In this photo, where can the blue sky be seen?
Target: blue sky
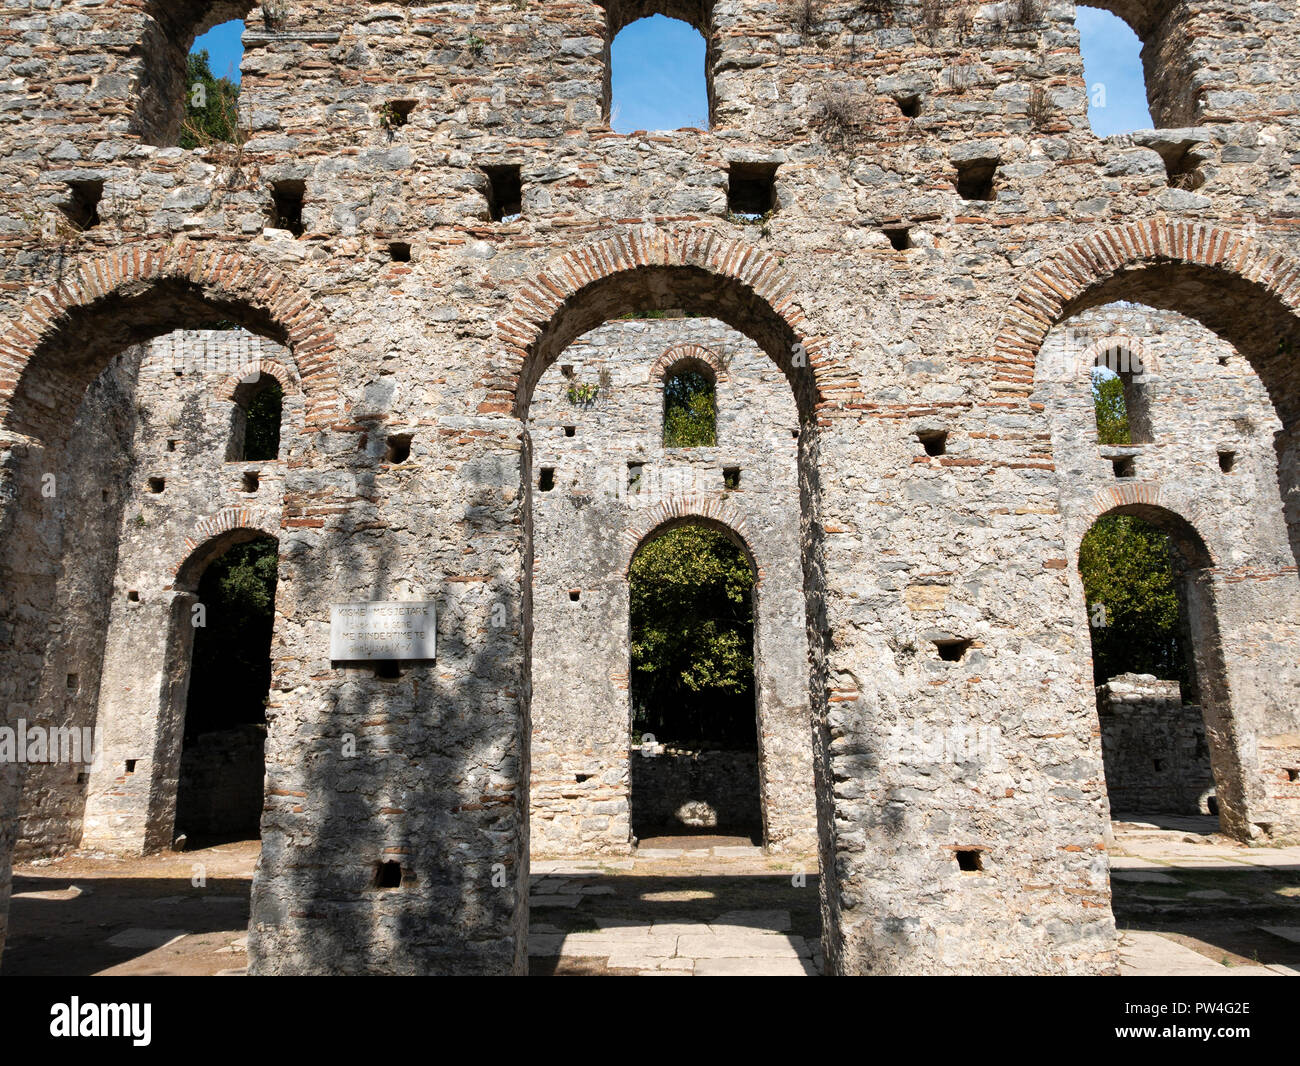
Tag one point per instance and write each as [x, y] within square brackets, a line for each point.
[659, 72]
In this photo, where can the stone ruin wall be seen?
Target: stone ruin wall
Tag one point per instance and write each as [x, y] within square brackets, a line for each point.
[1157, 758]
[157, 492]
[586, 531]
[1202, 400]
[899, 549]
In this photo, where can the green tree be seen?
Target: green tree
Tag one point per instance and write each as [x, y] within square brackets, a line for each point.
[1112, 411]
[1128, 580]
[231, 671]
[211, 105]
[262, 424]
[690, 411]
[692, 629]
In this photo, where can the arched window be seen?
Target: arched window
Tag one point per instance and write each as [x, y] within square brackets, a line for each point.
[255, 431]
[690, 406]
[1112, 68]
[1120, 399]
[657, 69]
[189, 60]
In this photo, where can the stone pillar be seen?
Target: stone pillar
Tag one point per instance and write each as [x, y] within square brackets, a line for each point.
[131, 799]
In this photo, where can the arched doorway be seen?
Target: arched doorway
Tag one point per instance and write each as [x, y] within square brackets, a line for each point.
[695, 735]
[219, 791]
[1167, 728]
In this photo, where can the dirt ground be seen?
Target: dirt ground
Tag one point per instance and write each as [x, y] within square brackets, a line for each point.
[1186, 901]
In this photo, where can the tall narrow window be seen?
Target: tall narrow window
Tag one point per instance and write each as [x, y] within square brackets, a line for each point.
[657, 68]
[1119, 398]
[212, 87]
[690, 406]
[255, 433]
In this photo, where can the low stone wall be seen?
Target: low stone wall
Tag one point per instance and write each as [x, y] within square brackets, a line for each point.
[220, 794]
[676, 790]
[1156, 756]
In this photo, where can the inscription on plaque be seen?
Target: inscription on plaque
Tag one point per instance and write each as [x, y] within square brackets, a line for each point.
[362, 632]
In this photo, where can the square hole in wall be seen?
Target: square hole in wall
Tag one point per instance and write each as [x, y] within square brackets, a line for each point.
[130, 765]
[177, 372]
[81, 206]
[1223, 360]
[82, 778]
[72, 682]
[910, 106]
[1227, 460]
[575, 595]
[935, 441]
[546, 482]
[634, 472]
[1293, 773]
[157, 484]
[133, 596]
[1124, 467]
[751, 189]
[287, 199]
[171, 445]
[731, 477]
[969, 860]
[388, 874]
[252, 481]
[505, 192]
[103, 495]
[395, 113]
[900, 237]
[399, 252]
[387, 670]
[570, 431]
[398, 449]
[953, 649]
[975, 179]
[1158, 765]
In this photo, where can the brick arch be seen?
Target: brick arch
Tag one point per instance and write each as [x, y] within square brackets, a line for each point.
[65, 334]
[213, 535]
[1119, 342]
[687, 510]
[230, 387]
[1171, 511]
[736, 282]
[689, 353]
[1238, 287]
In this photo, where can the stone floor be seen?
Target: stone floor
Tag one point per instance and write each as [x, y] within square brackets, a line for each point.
[1187, 901]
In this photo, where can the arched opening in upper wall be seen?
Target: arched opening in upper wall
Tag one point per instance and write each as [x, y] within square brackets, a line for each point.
[681, 287]
[168, 109]
[659, 57]
[1117, 35]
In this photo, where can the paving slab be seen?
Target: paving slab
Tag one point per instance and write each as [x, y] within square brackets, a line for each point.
[751, 967]
[146, 939]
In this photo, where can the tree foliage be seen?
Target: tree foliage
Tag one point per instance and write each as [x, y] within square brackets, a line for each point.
[690, 411]
[692, 640]
[1132, 599]
[262, 424]
[231, 672]
[211, 105]
[1112, 410]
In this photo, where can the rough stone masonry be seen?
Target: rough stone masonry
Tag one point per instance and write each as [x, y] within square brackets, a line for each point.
[945, 231]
